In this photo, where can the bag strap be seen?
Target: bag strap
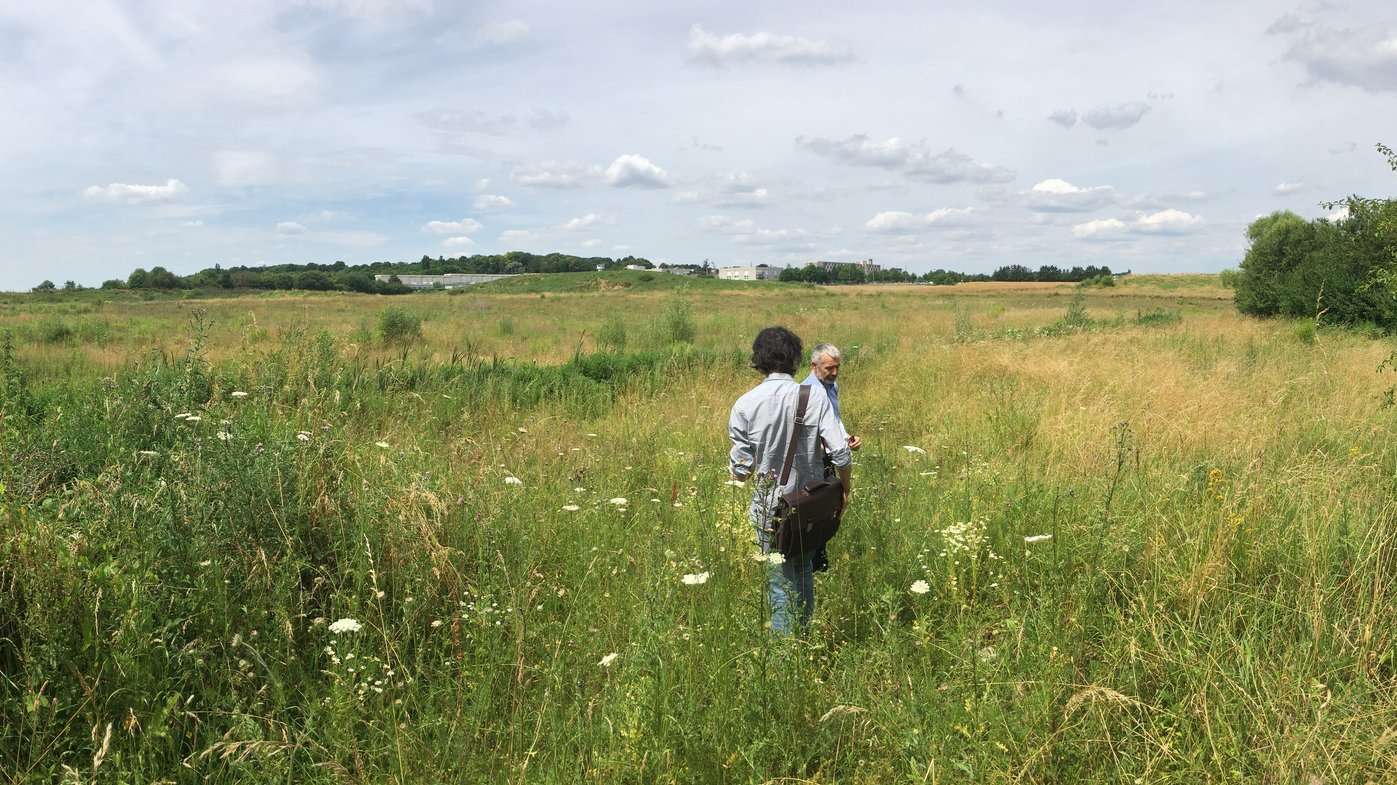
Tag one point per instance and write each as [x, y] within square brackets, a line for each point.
[795, 433]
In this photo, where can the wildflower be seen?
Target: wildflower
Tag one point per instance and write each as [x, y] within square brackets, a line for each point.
[182, 415]
[522, 430]
[205, 563]
[303, 436]
[695, 579]
[238, 394]
[734, 483]
[147, 452]
[571, 507]
[193, 418]
[919, 587]
[775, 557]
[224, 436]
[436, 623]
[1029, 540]
[383, 445]
[606, 661]
[579, 490]
[619, 501]
[512, 480]
[987, 654]
[913, 449]
[345, 625]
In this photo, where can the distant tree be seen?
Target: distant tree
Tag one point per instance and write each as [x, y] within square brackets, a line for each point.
[114, 283]
[70, 286]
[138, 279]
[160, 278]
[1013, 272]
[46, 286]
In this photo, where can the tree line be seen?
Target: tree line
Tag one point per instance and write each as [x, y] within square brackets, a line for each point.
[361, 278]
[1340, 269]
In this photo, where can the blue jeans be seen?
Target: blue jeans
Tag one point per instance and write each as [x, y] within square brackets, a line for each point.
[790, 589]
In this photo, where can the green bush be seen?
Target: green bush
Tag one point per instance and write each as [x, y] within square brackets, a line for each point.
[1304, 332]
[612, 335]
[396, 325]
[677, 323]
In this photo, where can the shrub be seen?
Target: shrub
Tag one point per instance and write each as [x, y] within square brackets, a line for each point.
[677, 322]
[1304, 332]
[612, 335]
[396, 325]
[56, 331]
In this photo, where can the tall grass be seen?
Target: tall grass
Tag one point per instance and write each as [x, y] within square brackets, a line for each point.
[184, 532]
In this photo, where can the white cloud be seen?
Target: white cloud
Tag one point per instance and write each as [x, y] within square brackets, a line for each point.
[1285, 189]
[492, 202]
[122, 193]
[898, 221]
[1116, 116]
[1339, 213]
[290, 229]
[566, 229]
[914, 161]
[1100, 228]
[1064, 117]
[709, 49]
[467, 122]
[1365, 58]
[746, 232]
[555, 174]
[1169, 221]
[463, 226]
[1056, 195]
[635, 171]
[457, 242]
[736, 189]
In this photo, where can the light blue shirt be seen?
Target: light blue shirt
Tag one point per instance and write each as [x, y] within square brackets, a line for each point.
[831, 389]
[760, 428]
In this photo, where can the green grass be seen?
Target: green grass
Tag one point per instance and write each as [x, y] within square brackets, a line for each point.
[1214, 604]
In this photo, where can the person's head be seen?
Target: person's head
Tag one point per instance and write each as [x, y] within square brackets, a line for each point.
[776, 350]
[824, 362]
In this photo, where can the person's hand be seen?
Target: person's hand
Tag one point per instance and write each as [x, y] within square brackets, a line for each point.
[855, 442]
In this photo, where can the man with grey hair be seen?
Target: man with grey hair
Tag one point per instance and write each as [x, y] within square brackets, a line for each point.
[824, 372]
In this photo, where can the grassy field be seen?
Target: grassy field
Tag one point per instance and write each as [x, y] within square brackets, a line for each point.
[253, 540]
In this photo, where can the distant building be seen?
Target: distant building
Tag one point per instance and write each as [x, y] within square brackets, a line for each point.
[636, 267]
[447, 281]
[760, 272]
[866, 266]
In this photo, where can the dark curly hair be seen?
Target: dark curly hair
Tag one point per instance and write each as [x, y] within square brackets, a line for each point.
[776, 350]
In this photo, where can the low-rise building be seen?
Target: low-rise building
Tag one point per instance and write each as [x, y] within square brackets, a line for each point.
[759, 272]
[446, 281]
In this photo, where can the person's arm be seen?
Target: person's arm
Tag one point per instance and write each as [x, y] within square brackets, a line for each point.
[742, 457]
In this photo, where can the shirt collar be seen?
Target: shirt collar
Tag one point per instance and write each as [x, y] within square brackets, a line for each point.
[779, 377]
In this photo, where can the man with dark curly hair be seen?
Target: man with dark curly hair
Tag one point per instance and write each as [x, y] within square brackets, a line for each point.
[760, 427]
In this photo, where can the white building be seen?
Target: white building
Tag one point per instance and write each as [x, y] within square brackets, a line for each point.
[866, 266]
[760, 272]
[447, 281]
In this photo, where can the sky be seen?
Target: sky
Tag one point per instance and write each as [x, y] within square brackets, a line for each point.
[1140, 136]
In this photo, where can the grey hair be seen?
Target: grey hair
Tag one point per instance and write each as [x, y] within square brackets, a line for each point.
[824, 350]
